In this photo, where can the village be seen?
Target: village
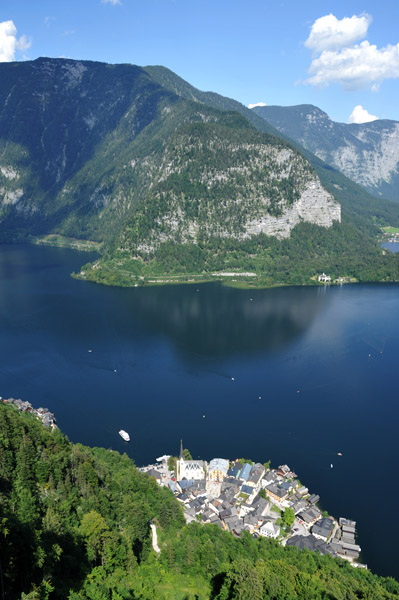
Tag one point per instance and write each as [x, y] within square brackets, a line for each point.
[242, 496]
[42, 414]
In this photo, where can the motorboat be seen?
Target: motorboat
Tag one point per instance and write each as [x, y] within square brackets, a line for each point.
[124, 435]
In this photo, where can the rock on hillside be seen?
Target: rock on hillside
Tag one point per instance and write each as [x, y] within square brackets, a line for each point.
[367, 153]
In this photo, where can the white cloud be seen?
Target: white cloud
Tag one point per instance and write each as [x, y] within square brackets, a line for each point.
[257, 104]
[330, 33]
[337, 59]
[362, 66]
[9, 42]
[113, 2]
[23, 43]
[360, 115]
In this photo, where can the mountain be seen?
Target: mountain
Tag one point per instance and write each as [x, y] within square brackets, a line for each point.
[171, 180]
[367, 153]
[84, 144]
[75, 525]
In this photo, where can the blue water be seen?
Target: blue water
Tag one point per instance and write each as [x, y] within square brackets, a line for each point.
[315, 373]
[392, 246]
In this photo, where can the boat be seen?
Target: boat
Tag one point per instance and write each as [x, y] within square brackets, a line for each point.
[124, 435]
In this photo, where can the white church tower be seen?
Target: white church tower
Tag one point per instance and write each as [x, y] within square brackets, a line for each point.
[189, 469]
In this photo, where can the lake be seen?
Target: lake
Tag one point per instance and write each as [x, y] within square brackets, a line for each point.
[294, 375]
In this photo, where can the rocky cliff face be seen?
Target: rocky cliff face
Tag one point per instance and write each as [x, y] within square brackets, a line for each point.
[315, 205]
[106, 152]
[367, 153]
[216, 181]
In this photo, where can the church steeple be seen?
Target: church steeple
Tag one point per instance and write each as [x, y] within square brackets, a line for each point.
[181, 450]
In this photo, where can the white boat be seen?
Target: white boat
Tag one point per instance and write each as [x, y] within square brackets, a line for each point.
[124, 435]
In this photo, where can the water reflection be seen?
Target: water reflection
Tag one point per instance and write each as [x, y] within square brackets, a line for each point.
[216, 320]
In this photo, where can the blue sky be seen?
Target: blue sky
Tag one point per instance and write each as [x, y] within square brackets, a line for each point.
[337, 55]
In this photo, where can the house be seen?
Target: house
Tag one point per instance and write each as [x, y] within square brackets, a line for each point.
[234, 524]
[245, 471]
[250, 522]
[348, 529]
[324, 278]
[276, 492]
[286, 485]
[313, 499]
[347, 522]
[247, 489]
[268, 478]
[310, 515]
[261, 506]
[256, 475]
[269, 529]
[235, 469]
[285, 471]
[218, 468]
[155, 474]
[174, 486]
[350, 551]
[183, 498]
[298, 506]
[310, 542]
[323, 528]
[225, 513]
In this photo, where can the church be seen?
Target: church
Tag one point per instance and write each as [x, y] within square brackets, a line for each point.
[189, 469]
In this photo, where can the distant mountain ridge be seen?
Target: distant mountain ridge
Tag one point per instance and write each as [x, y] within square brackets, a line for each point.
[367, 153]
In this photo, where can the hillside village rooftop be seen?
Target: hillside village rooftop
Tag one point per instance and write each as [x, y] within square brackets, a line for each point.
[241, 496]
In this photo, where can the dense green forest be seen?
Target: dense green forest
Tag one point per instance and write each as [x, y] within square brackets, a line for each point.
[296, 261]
[74, 523]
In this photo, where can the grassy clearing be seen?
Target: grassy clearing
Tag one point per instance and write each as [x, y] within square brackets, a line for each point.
[60, 241]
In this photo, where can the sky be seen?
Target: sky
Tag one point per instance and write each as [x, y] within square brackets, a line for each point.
[342, 56]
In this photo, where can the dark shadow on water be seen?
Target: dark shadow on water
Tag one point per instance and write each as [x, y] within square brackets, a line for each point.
[217, 320]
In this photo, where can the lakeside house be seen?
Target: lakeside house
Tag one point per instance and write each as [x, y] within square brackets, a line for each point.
[218, 468]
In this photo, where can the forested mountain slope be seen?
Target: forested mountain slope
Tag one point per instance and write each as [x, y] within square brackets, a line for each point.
[172, 180]
[74, 524]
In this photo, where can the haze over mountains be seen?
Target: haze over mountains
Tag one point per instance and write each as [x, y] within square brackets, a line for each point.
[367, 153]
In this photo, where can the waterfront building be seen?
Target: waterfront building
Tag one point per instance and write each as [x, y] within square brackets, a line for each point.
[245, 471]
[189, 469]
[218, 468]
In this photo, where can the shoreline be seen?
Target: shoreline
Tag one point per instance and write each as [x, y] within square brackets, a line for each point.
[242, 496]
[129, 279]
